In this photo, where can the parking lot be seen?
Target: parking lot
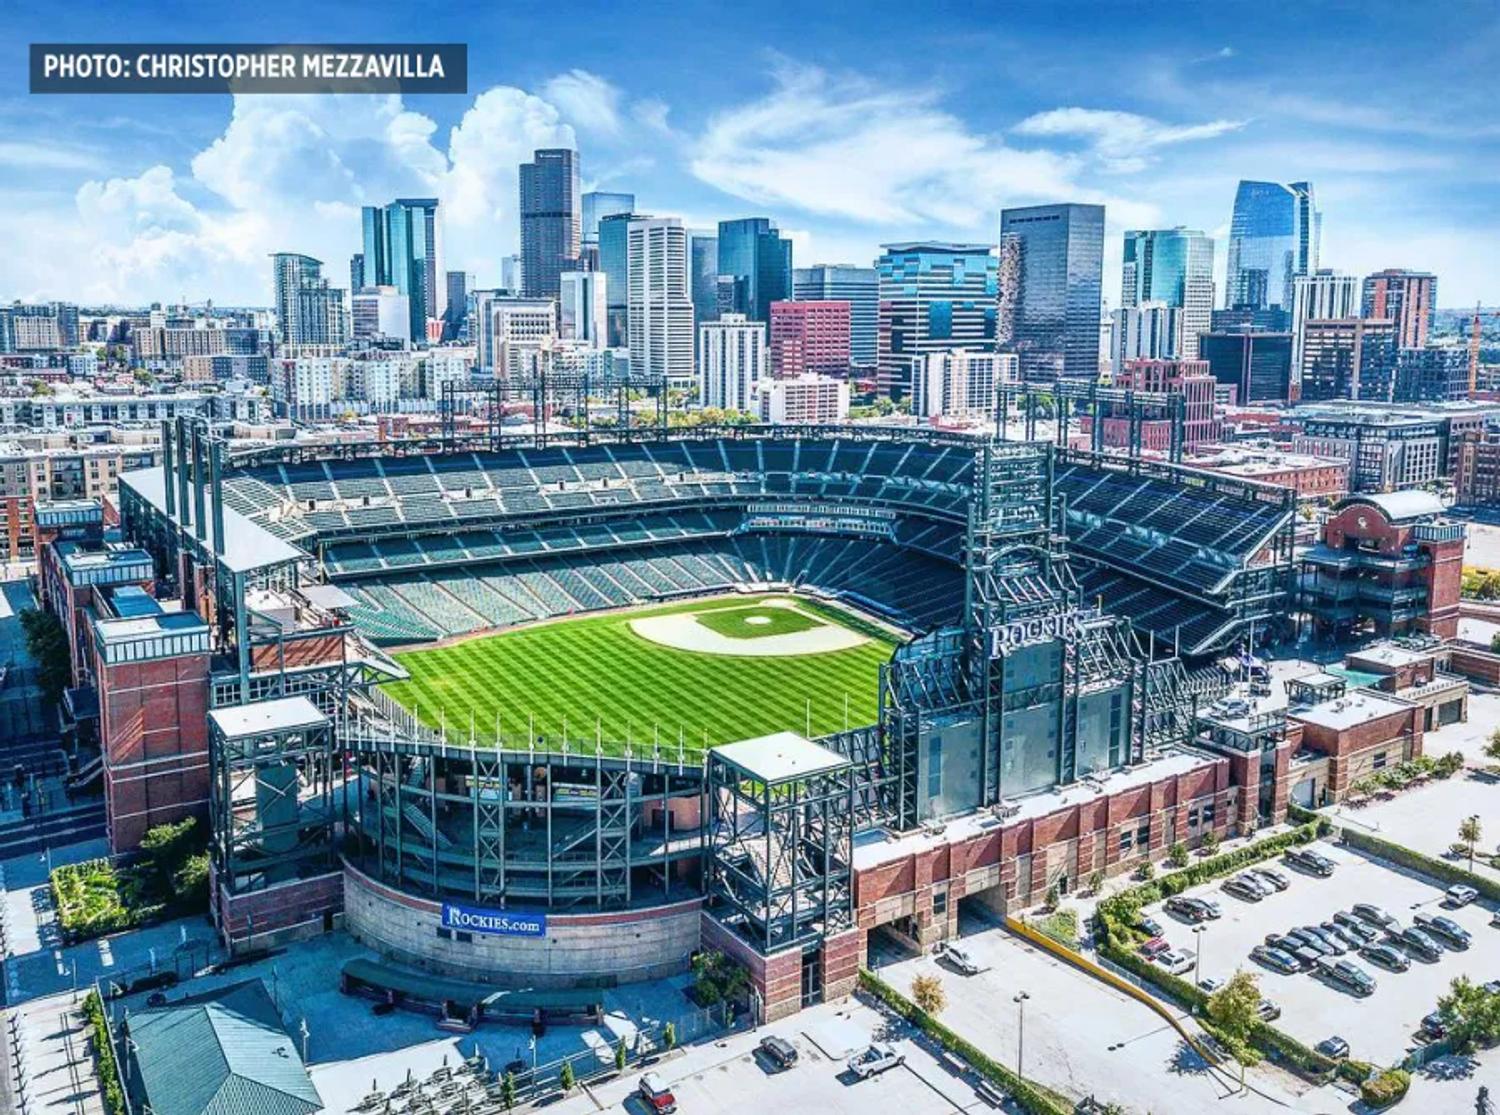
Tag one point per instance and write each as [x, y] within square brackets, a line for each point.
[729, 1078]
[1380, 1027]
[1426, 818]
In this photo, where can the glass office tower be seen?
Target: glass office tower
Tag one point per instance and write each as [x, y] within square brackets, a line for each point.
[551, 221]
[1054, 312]
[403, 249]
[1273, 238]
[1174, 266]
[759, 259]
[934, 297]
[858, 286]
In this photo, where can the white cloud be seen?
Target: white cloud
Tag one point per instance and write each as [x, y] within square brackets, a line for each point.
[847, 148]
[287, 173]
[1122, 141]
[591, 102]
[46, 156]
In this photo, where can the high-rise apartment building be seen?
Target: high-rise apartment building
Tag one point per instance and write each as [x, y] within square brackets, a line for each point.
[551, 220]
[1432, 373]
[308, 310]
[809, 337]
[455, 317]
[933, 297]
[804, 401]
[759, 258]
[1056, 306]
[614, 263]
[703, 263]
[38, 327]
[1407, 298]
[1349, 358]
[356, 272]
[381, 311]
[1174, 266]
[660, 300]
[513, 332]
[858, 286]
[731, 361]
[961, 384]
[1324, 296]
[403, 249]
[1146, 331]
[582, 307]
[1273, 237]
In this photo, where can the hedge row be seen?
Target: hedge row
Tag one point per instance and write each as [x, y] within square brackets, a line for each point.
[1115, 940]
[1032, 1097]
[1387, 1088]
[109, 1071]
[1427, 865]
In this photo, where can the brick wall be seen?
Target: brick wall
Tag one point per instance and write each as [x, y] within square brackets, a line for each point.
[285, 911]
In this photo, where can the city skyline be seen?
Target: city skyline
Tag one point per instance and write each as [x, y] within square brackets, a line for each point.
[855, 147]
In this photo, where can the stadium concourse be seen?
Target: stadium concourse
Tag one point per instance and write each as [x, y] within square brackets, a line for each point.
[392, 646]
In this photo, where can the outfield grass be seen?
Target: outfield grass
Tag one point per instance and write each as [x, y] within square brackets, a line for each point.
[757, 622]
[595, 670]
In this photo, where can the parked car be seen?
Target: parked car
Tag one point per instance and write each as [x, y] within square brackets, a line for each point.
[779, 1051]
[1387, 956]
[1209, 984]
[1314, 863]
[1432, 1026]
[1211, 906]
[1336, 946]
[1491, 988]
[1307, 957]
[1446, 930]
[657, 1094]
[1459, 894]
[1314, 942]
[1267, 1011]
[1362, 930]
[1348, 975]
[1278, 960]
[957, 957]
[1188, 909]
[1154, 947]
[1175, 961]
[1274, 878]
[875, 1059]
[1148, 925]
[1342, 935]
[1243, 888]
[1335, 1047]
[1419, 944]
[1373, 914]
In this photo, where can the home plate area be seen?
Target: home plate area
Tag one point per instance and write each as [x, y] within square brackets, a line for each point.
[776, 628]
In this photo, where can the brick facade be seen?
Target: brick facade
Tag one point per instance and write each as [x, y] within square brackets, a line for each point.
[279, 913]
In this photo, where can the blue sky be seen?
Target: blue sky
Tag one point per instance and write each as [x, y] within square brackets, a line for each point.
[850, 126]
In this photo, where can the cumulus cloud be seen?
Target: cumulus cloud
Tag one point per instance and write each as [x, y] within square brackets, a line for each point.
[1122, 141]
[590, 101]
[849, 148]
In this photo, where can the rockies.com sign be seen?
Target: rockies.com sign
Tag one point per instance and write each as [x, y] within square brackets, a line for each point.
[497, 923]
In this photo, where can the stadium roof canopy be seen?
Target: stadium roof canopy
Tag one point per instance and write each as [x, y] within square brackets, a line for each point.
[248, 546]
[780, 757]
[221, 1053]
[282, 715]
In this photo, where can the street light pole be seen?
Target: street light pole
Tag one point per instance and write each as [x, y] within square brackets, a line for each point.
[1198, 931]
[1020, 1001]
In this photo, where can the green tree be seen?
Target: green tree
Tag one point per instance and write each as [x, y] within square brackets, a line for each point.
[620, 1055]
[508, 1090]
[567, 1078]
[669, 1036]
[1233, 1009]
[47, 644]
[1210, 843]
[1492, 746]
[1471, 832]
[1471, 1014]
[1177, 854]
[1096, 882]
[927, 992]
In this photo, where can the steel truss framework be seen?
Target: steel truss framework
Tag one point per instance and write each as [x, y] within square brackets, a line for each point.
[272, 809]
[545, 392]
[780, 853]
[1070, 398]
[520, 828]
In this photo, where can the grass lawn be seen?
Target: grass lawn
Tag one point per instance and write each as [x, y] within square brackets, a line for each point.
[595, 669]
[757, 622]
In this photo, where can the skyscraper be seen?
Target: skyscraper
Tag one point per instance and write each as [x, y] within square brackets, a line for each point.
[1146, 331]
[582, 314]
[1349, 358]
[661, 304]
[356, 272]
[731, 361]
[1174, 266]
[809, 337]
[308, 310]
[551, 221]
[1324, 296]
[759, 258]
[704, 264]
[1407, 298]
[596, 206]
[1273, 238]
[858, 286]
[403, 249]
[1257, 365]
[933, 297]
[614, 261]
[1057, 301]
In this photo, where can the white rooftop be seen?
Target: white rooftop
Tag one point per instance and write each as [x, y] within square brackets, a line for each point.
[1360, 707]
[247, 545]
[327, 596]
[267, 716]
[781, 757]
[1389, 654]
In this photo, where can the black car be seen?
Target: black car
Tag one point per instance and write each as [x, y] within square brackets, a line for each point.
[1387, 956]
[1418, 943]
[1314, 863]
[779, 1051]
[1335, 1047]
[1188, 909]
[1275, 959]
[1432, 1026]
[1446, 930]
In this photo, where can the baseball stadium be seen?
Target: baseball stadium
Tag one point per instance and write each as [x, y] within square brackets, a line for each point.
[661, 690]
